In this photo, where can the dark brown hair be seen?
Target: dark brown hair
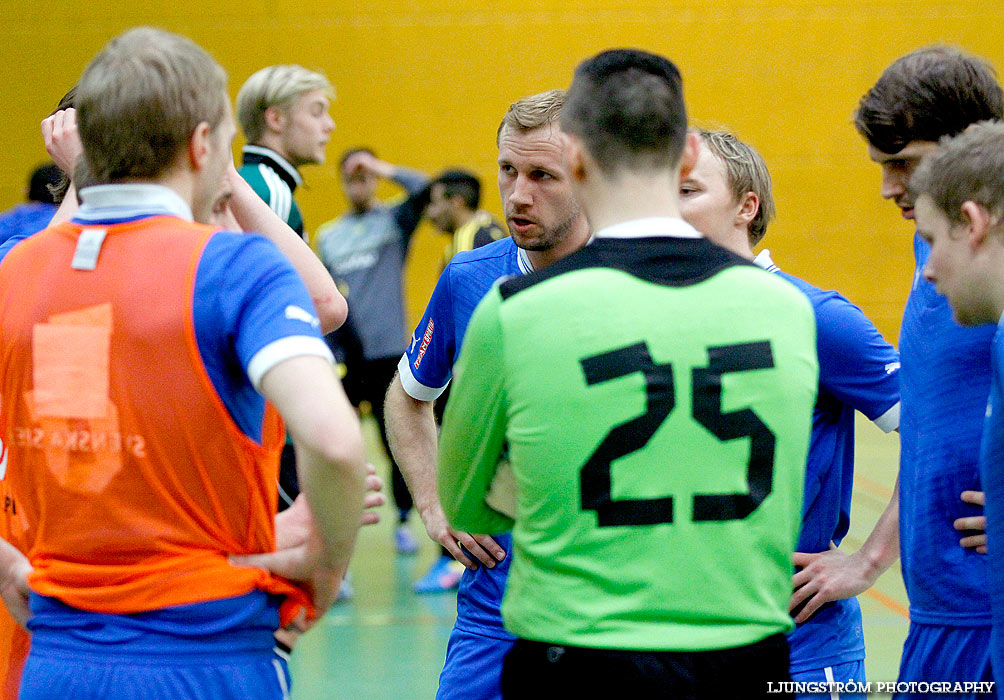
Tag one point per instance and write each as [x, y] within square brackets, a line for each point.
[929, 93]
[627, 107]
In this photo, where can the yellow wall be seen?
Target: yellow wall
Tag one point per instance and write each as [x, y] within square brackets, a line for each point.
[426, 83]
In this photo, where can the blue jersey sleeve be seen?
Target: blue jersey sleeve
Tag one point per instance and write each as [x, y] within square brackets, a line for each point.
[6, 246]
[856, 364]
[427, 365]
[251, 311]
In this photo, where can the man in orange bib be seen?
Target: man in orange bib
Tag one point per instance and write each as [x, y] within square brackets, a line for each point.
[147, 364]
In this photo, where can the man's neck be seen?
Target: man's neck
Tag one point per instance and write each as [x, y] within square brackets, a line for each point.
[274, 143]
[463, 217]
[628, 195]
[994, 283]
[738, 241]
[176, 180]
[362, 208]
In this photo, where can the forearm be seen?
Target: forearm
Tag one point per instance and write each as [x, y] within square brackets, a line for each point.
[881, 548]
[411, 431]
[329, 449]
[253, 214]
[334, 491]
[410, 180]
[331, 466]
[14, 570]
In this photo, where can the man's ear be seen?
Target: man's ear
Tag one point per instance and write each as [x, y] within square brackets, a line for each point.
[575, 158]
[977, 222]
[749, 205]
[691, 150]
[275, 119]
[198, 146]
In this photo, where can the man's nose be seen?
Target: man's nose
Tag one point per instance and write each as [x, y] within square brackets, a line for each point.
[893, 185]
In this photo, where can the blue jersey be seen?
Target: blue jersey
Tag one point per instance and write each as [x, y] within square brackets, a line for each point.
[427, 365]
[992, 475]
[25, 219]
[945, 381]
[426, 369]
[858, 370]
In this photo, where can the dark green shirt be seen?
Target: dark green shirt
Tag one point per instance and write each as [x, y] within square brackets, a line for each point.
[273, 179]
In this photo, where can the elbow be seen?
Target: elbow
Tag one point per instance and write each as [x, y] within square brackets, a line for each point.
[335, 439]
[345, 449]
[332, 310]
[396, 401]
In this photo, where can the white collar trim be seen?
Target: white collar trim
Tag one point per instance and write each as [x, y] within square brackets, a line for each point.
[763, 260]
[662, 226]
[109, 201]
[523, 260]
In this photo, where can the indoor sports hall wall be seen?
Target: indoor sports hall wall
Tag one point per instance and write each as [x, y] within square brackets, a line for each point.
[425, 83]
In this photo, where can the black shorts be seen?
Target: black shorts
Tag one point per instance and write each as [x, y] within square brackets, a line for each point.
[548, 671]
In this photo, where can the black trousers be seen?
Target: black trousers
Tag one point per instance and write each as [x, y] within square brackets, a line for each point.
[367, 380]
[535, 670]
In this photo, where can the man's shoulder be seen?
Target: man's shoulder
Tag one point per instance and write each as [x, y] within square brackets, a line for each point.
[486, 229]
[817, 295]
[331, 226]
[830, 306]
[24, 220]
[262, 178]
[237, 255]
[493, 252]
[472, 273]
[251, 169]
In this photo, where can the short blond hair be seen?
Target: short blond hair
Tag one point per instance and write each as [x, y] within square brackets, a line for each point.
[139, 100]
[533, 112]
[746, 172]
[275, 86]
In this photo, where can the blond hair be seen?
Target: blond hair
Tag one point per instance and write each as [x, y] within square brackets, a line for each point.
[139, 100]
[533, 112]
[746, 172]
[274, 86]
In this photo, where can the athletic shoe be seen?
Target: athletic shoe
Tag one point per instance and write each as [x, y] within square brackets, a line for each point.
[404, 541]
[442, 577]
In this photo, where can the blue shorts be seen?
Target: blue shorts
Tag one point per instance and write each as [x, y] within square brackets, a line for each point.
[221, 650]
[473, 668]
[942, 653]
[852, 672]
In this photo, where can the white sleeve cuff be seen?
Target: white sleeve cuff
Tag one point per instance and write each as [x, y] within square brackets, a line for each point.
[279, 350]
[889, 421]
[414, 388]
